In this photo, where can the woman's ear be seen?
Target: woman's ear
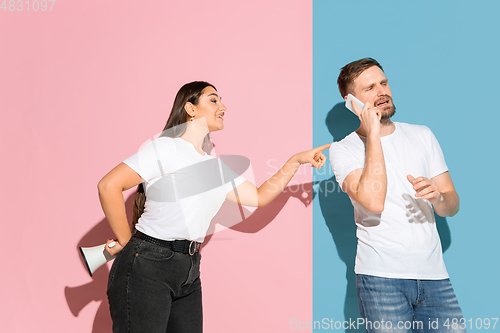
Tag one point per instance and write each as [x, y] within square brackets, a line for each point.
[189, 108]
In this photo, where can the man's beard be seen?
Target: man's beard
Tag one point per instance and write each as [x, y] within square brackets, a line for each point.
[387, 111]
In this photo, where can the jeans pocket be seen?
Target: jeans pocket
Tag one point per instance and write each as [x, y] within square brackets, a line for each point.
[154, 253]
[113, 268]
[194, 270]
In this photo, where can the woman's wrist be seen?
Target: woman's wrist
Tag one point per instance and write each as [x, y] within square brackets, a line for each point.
[294, 160]
[123, 241]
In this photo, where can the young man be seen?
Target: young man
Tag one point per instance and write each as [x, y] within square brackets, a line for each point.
[395, 175]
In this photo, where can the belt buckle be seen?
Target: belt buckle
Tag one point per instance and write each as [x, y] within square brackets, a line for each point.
[191, 246]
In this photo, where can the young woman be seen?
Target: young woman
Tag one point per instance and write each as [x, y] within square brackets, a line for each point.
[154, 283]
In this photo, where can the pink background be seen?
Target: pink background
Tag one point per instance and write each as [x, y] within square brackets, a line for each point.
[84, 85]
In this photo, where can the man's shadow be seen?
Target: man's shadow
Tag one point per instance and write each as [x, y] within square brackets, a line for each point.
[230, 215]
[338, 213]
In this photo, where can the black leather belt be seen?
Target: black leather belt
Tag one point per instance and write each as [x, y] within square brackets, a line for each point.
[184, 246]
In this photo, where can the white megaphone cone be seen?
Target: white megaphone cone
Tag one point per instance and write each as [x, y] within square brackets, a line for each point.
[95, 257]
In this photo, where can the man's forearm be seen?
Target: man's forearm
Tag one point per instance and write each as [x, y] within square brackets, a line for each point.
[448, 205]
[372, 186]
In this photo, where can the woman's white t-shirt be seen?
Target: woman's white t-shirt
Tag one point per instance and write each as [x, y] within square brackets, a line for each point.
[184, 189]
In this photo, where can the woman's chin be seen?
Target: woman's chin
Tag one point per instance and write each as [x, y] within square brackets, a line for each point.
[217, 128]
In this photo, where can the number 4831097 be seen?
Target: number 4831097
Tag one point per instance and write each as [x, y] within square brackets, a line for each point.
[479, 323]
[34, 5]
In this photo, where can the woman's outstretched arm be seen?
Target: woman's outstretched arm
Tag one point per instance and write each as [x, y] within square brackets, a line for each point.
[248, 194]
[111, 186]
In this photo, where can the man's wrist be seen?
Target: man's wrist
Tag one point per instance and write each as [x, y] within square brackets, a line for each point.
[372, 136]
[439, 199]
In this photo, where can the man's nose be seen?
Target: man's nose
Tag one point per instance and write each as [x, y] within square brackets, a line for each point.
[381, 90]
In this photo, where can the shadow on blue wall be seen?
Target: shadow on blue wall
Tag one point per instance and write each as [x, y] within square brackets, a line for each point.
[338, 213]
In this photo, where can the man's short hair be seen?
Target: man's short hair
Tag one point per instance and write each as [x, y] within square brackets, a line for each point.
[352, 70]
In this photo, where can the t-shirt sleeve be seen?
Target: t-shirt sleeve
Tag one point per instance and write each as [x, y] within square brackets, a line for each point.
[230, 178]
[153, 160]
[234, 184]
[437, 164]
[343, 161]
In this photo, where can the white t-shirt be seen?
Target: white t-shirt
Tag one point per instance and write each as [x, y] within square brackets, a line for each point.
[184, 189]
[401, 242]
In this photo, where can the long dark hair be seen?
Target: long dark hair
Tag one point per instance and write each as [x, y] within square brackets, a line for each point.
[175, 127]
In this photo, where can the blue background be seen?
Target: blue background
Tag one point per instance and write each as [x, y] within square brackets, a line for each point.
[441, 59]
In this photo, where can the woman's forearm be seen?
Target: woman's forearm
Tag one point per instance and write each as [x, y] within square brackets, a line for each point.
[272, 187]
[113, 205]
[248, 194]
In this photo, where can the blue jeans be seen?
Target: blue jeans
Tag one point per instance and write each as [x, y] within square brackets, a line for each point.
[153, 289]
[401, 305]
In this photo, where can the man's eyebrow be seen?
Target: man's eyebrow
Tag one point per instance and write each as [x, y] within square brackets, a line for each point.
[368, 86]
[371, 85]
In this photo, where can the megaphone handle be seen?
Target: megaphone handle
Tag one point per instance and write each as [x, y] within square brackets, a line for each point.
[108, 255]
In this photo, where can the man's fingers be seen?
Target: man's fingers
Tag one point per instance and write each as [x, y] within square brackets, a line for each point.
[424, 191]
[430, 195]
[415, 181]
[357, 110]
[424, 187]
[419, 183]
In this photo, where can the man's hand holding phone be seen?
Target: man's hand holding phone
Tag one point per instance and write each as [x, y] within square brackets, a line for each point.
[369, 115]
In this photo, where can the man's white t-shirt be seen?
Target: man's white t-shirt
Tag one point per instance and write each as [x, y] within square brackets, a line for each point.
[184, 189]
[402, 241]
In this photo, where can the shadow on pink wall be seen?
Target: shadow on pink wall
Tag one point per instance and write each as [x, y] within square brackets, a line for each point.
[80, 296]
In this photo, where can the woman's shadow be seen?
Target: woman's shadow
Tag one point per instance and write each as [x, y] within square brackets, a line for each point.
[338, 213]
[230, 215]
[79, 297]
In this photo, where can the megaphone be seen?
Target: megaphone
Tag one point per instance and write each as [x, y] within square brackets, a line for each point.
[95, 257]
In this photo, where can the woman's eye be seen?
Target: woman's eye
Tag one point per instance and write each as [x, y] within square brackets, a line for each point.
[214, 101]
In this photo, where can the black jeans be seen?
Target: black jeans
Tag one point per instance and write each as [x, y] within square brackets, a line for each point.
[153, 289]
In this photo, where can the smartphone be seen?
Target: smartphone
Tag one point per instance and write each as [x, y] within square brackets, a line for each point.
[348, 104]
